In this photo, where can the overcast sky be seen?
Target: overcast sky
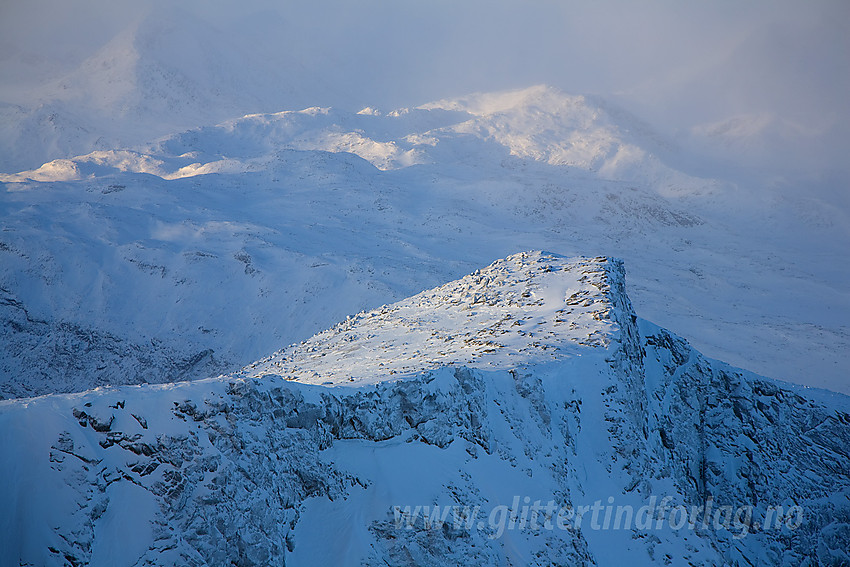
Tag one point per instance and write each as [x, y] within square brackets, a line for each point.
[677, 64]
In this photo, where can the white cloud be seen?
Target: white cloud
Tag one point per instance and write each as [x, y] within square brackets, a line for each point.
[680, 65]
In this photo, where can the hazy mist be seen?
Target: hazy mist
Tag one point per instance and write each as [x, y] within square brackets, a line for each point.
[683, 67]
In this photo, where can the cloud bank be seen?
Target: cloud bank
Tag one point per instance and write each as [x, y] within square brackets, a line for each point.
[768, 80]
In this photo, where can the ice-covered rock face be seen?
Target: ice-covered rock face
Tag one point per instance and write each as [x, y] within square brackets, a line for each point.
[272, 465]
[528, 308]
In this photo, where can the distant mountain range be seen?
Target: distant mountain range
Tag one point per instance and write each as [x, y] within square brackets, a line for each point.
[207, 249]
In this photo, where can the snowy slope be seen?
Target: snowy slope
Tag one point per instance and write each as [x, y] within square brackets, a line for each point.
[210, 248]
[525, 309]
[296, 459]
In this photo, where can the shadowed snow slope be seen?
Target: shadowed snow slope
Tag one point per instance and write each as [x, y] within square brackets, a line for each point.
[531, 379]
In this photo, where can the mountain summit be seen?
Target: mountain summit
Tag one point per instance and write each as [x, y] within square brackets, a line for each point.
[522, 414]
[529, 308]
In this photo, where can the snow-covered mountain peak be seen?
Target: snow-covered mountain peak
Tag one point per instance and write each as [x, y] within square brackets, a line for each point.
[541, 97]
[527, 308]
[257, 468]
[546, 125]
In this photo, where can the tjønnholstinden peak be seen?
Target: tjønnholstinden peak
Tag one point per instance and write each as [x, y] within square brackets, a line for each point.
[529, 308]
[529, 380]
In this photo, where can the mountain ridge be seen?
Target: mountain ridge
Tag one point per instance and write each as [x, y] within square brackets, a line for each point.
[510, 309]
[258, 467]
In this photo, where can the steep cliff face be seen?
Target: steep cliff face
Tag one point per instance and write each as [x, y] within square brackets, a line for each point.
[424, 432]
[729, 436]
